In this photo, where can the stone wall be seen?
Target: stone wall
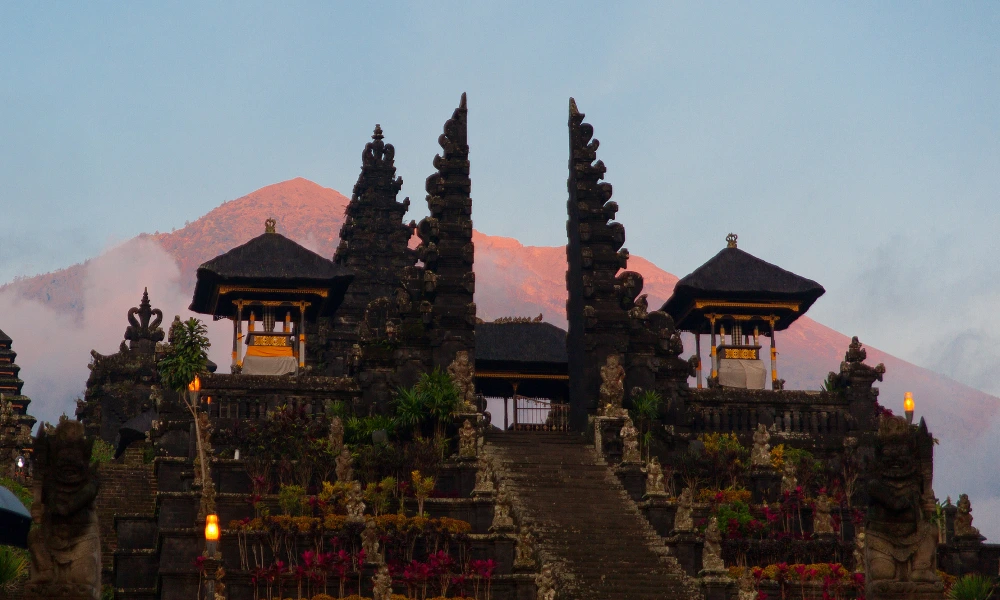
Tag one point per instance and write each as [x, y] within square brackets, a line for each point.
[127, 488]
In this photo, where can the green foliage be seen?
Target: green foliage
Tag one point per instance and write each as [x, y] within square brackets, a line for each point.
[725, 458]
[409, 408]
[186, 357]
[646, 406]
[438, 393]
[291, 499]
[359, 430]
[972, 587]
[378, 495]
[102, 452]
[23, 493]
[834, 383]
[108, 592]
[13, 566]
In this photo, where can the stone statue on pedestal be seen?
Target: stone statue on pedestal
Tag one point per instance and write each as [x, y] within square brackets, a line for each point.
[485, 485]
[901, 541]
[546, 584]
[64, 545]
[467, 441]
[963, 519]
[612, 388]
[760, 456]
[711, 554]
[822, 520]
[654, 479]
[336, 435]
[630, 442]
[355, 503]
[463, 376]
[525, 554]
[344, 470]
[683, 520]
[788, 479]
[382, 584]
[502, 520]
[370, 544]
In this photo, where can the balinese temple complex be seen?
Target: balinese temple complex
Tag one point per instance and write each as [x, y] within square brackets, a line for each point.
[15, 422]
[346, 333]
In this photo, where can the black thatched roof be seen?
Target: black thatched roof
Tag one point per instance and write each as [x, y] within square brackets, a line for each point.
[4, 337]
[520, 343]
[269, 261]
[736, 276]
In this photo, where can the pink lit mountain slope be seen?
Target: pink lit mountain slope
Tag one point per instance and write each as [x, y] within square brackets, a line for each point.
[513, 279]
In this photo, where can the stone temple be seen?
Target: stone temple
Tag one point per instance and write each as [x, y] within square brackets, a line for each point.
[372, 435]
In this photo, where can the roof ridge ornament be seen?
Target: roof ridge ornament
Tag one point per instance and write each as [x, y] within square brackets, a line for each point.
[269, 226]
[731, 240]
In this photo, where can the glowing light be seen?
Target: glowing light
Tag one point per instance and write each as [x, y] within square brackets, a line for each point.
[212, 528]
[195, 385]
[908, 401]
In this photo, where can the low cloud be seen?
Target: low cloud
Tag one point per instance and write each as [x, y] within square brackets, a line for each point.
[53, 348]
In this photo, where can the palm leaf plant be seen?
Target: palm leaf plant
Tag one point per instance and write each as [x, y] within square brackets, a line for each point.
[439, 396]
[186, 359]
[972, 587]
[645, 409]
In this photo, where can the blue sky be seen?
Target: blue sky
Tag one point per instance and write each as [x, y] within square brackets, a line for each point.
[855, 143]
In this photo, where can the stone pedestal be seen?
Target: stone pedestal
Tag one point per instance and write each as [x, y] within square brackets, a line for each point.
[686, 547]
[633, 479]
[717, 585]
[967, 548]
[892, 590]
[607, 439]
[660, 513]
[765, 485]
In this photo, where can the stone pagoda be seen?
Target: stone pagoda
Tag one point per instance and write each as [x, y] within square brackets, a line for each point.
[15, 423]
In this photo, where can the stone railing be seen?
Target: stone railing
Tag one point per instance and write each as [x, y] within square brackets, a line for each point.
[822, 416]
[250, 397]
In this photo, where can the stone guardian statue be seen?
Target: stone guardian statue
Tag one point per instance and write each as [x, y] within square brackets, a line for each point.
[65, 546]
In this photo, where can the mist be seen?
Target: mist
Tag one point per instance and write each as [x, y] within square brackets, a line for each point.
[53, 347]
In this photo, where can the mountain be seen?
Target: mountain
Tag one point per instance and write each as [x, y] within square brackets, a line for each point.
[512, 280]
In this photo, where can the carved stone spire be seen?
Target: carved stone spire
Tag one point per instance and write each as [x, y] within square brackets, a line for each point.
[446, 247]
[599, 297]
[373, 244]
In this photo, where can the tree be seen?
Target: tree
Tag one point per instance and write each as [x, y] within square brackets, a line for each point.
[186, 359]
[645, 408]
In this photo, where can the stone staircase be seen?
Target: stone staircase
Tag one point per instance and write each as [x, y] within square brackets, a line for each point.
[598, 543]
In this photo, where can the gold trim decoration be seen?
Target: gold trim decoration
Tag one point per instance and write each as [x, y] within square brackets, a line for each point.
[269, 226]
[699, 304]
[512, 375]
[741, 353]
[731, 240]
[270, 340]
[225, 289]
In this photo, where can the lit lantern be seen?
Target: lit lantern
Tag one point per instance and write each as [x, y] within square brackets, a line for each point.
[212, 528]
[195, 385]
[908, 406]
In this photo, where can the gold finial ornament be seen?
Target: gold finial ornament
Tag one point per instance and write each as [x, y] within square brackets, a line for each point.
[269, 226]
[731, 240]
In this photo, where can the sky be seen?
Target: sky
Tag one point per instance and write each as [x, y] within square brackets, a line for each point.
[857, 144]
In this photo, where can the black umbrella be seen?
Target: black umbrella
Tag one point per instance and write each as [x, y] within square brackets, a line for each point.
[15, 520]
[134, 430]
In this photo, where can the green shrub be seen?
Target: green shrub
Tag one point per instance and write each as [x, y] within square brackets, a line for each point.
[972, 587]
[291, 498]
[102, 453]
[13, 566]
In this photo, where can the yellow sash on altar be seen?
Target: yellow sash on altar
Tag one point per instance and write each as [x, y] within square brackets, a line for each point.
[269, 351]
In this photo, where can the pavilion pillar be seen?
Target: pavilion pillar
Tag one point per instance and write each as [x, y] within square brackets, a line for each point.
[514, 385]
[713, 352]
[302, 336]
[235, 339]
[239, 333]
[697, 352]
[774, 359]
